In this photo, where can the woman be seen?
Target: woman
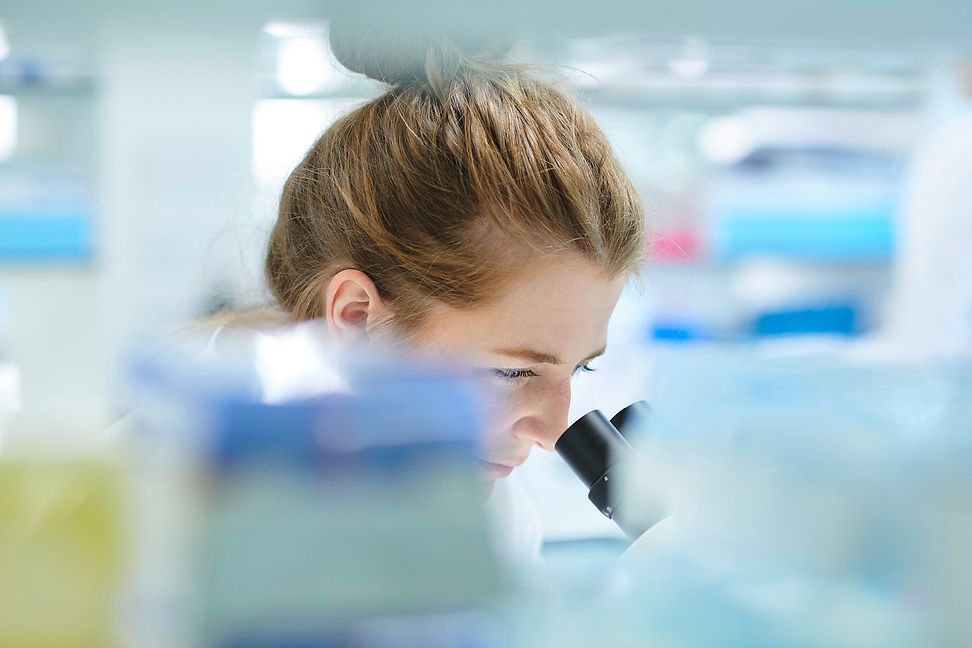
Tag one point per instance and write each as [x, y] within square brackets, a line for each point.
[473, 211]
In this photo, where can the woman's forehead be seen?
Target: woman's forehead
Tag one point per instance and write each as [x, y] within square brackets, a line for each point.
[558, 309]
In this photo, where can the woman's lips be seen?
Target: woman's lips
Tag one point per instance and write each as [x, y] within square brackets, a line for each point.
[497, 470]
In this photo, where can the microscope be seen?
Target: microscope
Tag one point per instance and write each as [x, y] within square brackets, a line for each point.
[594, 447]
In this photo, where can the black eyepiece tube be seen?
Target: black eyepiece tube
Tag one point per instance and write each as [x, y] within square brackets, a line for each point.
[629, 420]
[591, 445]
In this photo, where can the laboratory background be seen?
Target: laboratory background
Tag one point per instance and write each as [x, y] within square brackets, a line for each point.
[802, 329]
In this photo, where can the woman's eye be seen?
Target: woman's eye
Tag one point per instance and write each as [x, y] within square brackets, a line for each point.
[584, 368]
[514, 375]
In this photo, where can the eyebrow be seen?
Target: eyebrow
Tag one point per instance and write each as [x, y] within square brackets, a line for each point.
[542, 358]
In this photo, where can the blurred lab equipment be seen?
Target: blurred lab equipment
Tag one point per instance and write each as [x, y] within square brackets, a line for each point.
[931, 314]
[813, 501]
[293, 494]
[62, 547]
[9, 372]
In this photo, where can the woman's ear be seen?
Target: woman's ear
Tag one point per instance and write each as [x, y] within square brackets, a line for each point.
[351, 305]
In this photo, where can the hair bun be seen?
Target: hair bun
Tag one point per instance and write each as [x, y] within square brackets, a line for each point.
[397, 55]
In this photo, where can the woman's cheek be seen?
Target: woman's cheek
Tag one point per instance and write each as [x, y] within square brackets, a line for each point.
[501, 413]
[498, 426]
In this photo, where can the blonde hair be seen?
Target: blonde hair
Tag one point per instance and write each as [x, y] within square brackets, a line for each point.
[442, 186]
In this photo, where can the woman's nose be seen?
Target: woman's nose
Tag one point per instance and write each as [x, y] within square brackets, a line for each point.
[550, 419]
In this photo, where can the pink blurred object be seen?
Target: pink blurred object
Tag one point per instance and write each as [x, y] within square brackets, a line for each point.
[674, 245]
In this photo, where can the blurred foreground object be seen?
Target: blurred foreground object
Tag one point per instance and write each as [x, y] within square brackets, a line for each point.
[932, 314]
[813, 502]
[288, 496]
[61, 551]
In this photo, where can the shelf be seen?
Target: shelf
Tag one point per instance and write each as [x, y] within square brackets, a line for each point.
[31, 78]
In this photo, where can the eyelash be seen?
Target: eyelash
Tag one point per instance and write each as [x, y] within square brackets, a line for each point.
[517, 375]
[584, 368]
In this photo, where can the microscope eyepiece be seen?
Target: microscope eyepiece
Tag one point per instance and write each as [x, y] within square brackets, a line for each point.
[592, 446]
[628, 420]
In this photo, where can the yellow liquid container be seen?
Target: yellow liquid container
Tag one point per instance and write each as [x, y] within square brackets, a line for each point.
[61, 552]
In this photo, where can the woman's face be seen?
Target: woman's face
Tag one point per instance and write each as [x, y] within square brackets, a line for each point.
[548, 326]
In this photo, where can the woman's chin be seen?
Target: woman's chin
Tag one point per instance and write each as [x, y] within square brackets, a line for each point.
[490, 473]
